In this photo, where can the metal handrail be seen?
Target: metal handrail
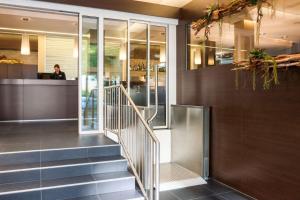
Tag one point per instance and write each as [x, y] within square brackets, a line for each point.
[141, 146]
[150, 119]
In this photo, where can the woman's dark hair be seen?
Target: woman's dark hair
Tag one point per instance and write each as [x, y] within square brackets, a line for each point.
[57, 66]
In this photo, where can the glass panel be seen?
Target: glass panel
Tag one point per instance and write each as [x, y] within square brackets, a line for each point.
[138, 63]
[89, 74]
[158, 59]
[115, 52]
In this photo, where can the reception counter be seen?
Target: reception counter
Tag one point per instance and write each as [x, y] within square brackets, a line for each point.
[33, 99]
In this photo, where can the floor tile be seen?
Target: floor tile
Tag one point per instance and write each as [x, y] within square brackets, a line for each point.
[192, 192]
[167, 196]
[234, 196]
[46, 135]
[216, 187]
[214, 197]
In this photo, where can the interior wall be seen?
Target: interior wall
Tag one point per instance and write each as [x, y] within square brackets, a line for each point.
[254, 134]
[26, 59]
[59, 50]
[126, 6]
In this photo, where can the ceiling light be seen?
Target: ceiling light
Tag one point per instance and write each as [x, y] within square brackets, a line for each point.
[162, 54]
[75, 47]
[197, 57]
[123, 52]
[25, 44]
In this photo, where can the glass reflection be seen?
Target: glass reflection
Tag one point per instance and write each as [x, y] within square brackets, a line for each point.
[115, 52]
[89, 74]
[158, 60]
[138, 63]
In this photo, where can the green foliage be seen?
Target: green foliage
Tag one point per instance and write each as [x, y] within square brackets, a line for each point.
[258, 54]
[267, 66]
[210, 9]
[253, 2]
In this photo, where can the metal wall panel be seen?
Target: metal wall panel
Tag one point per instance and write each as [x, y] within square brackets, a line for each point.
[190, 138]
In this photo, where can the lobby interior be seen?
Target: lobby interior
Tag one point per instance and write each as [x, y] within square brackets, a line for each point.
[202, 96]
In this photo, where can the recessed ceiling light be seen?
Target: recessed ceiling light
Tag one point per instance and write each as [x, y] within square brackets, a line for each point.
[25, 19]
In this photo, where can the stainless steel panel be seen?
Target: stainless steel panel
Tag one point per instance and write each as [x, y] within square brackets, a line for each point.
[190, 138]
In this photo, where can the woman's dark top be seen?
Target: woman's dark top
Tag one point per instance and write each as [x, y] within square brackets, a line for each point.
[60, 76]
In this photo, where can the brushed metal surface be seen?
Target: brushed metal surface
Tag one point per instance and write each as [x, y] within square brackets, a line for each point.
[190, 137]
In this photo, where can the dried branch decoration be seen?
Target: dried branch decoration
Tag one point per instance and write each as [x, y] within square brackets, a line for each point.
[217, 12]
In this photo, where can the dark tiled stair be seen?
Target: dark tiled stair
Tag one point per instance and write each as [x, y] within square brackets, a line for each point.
[83, 173]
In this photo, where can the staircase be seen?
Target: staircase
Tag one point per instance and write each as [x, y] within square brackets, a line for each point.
[81, 173]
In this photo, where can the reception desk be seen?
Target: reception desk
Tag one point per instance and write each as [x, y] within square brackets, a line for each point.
[33, 99]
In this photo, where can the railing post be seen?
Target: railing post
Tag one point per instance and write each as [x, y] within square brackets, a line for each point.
[157, 171]
[119, 112]
[105, 113]
[93, 109]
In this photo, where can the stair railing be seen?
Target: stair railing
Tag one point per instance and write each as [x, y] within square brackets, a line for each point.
[140, 145]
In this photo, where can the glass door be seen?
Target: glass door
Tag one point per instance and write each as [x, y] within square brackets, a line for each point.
[132, 51]
[138, 64]
[158, 59]
[89, 83]
[115, 52]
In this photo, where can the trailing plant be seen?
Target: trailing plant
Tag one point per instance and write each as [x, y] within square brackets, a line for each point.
[217, 12]
[260, 63]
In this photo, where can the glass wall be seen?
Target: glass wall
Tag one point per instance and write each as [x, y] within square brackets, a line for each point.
[139, 63]
[158, 49]
[115, 52]
[233, 39]
[89, 74]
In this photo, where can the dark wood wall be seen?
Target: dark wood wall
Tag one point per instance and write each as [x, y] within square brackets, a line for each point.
[255, 137]
[126, 6]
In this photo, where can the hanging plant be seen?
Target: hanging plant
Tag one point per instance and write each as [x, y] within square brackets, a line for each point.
[217, 12]
[262, 64]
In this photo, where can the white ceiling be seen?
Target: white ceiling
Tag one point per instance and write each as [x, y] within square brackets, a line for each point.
[11, 20]
[174, 3]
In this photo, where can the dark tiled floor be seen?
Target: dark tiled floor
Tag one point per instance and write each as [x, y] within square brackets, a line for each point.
[46, 135]
[213, 190]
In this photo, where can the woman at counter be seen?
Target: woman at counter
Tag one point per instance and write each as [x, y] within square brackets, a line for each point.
[58, 74]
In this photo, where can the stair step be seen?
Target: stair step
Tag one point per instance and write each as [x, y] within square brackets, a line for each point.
[59, 163]
[46, 155]
[70, 187]
[124, 195]
[60, 169]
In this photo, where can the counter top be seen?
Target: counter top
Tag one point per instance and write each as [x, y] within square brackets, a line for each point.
[37, 82]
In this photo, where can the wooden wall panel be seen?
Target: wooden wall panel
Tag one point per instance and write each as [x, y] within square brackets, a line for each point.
[126, 6]
[255, 135]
